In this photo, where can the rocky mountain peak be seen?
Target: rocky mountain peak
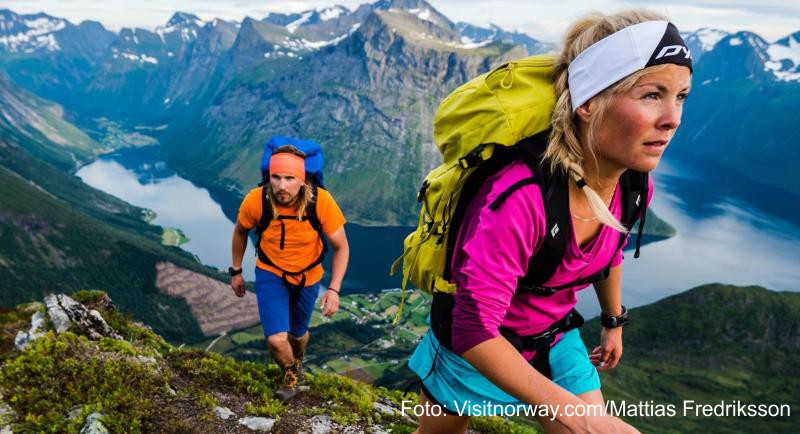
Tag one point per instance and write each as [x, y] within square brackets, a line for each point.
[422, 9]
[184, 18]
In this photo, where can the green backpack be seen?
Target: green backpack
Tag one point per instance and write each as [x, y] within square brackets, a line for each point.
[513, 102]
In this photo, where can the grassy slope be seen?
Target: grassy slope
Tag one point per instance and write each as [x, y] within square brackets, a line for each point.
[144, 385]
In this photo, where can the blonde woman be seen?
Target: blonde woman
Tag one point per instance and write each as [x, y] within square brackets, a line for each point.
[621, 82]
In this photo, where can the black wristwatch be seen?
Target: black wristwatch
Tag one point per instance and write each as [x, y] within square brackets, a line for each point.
[612, 322]
[234, 271]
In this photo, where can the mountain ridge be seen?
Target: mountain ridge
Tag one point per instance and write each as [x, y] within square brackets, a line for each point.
[214, 63]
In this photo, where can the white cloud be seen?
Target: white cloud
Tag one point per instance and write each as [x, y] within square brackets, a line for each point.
[772, 19]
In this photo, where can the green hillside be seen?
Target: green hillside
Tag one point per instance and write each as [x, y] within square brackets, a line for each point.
[709, 344]
[46, 246]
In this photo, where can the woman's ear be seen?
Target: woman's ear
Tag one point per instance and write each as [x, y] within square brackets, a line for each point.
[584, 112]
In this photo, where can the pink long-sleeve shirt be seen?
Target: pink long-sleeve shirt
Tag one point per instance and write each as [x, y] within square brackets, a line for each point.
[492, 252]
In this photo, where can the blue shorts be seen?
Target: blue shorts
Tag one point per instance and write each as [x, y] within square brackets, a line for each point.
[278, 313]
[455, 379]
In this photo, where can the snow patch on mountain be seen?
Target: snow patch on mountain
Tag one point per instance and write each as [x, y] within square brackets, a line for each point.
[319, 44]
[38, 34]
[784, 60]
[186, 24]
[423, 14]
[140, 58]
[332, 13]
[469, 43]
[709, 37]
[292, 27]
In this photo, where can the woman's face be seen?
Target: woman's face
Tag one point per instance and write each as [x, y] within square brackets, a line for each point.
[639, 124]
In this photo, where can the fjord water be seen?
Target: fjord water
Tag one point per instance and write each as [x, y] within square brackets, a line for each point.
[140, 177]
[729, 229]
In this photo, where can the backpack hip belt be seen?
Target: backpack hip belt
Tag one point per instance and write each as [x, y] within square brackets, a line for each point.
[442, 322]
[542, 342]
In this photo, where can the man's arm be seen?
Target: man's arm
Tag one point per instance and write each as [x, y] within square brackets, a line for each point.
[341, 256]
[238, 246]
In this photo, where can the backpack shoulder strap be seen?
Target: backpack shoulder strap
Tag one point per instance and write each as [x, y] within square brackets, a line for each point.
[635, 190]
[481, 173]
[266, 213]
[555, 196]
[311, 209]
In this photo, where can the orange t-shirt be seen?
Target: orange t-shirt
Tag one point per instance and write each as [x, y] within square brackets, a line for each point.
[302, 245]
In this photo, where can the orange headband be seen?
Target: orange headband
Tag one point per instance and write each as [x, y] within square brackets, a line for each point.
[288, 164]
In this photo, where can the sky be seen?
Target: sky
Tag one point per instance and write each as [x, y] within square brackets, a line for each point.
[545, 20]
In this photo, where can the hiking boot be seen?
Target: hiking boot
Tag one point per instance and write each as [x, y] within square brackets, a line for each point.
[299, 371]
[288, 387]
[298, 368]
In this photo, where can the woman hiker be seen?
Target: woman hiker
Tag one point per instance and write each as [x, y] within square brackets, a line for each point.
[617, 108]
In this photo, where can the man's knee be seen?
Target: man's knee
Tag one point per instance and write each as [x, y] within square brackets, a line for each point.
[278, 340]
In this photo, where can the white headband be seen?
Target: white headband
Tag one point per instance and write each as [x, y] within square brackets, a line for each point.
[623, 53]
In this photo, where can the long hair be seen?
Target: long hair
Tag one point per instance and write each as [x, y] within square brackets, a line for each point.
[304, 197]
[564, 149]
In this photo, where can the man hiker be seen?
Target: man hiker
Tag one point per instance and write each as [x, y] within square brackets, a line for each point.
[290, 248]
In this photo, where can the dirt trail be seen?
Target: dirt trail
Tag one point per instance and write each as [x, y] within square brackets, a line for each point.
[212, 302]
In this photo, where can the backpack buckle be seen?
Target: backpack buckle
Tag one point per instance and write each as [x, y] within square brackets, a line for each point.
[469, 160]
[422, 191]
[545, 291]
[473, 158]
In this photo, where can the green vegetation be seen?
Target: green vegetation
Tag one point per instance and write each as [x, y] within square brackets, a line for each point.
[173, 237]
[374, 351]
[112, 135]
[141, 384]
[709, 344]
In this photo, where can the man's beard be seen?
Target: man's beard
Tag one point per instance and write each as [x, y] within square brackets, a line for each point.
[285, 198]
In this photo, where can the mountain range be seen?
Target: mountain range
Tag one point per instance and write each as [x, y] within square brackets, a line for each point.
[364, 82]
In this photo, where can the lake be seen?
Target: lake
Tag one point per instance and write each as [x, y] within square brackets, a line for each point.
[730, 230]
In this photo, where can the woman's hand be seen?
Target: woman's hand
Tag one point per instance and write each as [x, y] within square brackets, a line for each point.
[607, 355]
[330, 303]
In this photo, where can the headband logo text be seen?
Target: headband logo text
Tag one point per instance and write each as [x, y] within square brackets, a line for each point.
[672, 50]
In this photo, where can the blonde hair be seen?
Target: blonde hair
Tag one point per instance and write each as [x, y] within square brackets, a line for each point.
[304, 197]
[564, 149]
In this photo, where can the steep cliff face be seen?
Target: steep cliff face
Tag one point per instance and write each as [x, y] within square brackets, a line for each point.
[369, 99]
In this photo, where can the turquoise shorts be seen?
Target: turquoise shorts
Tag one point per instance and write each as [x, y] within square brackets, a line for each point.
[455, 380]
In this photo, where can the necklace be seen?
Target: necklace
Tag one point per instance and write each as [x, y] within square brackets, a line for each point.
[583, 219]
